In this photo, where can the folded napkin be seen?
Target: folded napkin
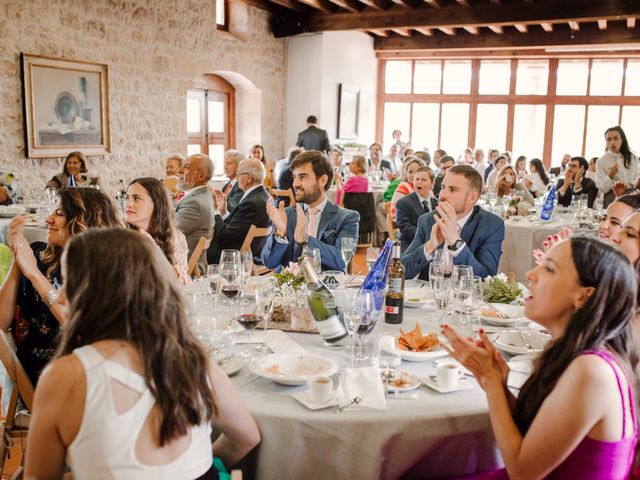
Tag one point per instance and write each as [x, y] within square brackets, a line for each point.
[363, 382]
[279, 342]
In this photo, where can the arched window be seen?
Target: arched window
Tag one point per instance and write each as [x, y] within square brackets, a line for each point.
[211, 118]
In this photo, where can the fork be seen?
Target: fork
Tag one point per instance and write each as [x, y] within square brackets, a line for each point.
[523, 337]
[498, 312]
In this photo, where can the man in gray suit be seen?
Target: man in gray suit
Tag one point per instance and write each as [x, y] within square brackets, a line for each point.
[194, 212]
[313, 138]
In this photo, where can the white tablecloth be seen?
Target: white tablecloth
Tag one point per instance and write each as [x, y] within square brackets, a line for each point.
[32, 233]
[434, 436]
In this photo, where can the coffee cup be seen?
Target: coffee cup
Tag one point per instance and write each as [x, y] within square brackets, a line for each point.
[320, 389]
[447, 376]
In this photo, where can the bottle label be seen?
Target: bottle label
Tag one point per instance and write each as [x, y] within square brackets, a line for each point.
[395, 285]
[332, 327]
[393, 310]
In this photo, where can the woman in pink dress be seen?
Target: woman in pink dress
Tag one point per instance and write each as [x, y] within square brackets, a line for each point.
[358, 182]
[575, 417]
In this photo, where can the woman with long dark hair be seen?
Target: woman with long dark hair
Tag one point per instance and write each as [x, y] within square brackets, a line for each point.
[132, 393]
[617, 166]
[575, 416]
[149, 209]
[537, 180]
[27, 296]
[257, 152]
[507, 184]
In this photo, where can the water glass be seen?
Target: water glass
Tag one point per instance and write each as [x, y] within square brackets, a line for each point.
[246, 258]
[441, 291]
[266, 293]
[313, 255]
[372, 255]
[347, 249]
[371, 305]
[389, 359]
[348, 303]
[213, 277]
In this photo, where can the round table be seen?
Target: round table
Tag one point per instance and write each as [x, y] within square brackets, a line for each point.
[435, 435]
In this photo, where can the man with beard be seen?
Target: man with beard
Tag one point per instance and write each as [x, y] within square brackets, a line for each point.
[375, 160]
[314, 221]
[194, 211]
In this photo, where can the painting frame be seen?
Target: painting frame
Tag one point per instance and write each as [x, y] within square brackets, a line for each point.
[348, 111]
[65, 106]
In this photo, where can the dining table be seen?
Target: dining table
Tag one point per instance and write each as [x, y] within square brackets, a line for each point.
[428, 435]
[33, 231]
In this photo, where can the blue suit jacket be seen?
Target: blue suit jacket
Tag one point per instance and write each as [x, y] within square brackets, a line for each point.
[336, 222]
[408, 211]
[483, 234]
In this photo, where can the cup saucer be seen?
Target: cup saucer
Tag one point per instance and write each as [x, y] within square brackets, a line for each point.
[303, 398]
[463, 384]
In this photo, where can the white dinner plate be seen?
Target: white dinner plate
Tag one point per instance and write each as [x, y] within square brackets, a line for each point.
[231, 365]
[403, 382]
[408, 356]
[415, 297]
[292, 368]
[514, 315]
[511, 342]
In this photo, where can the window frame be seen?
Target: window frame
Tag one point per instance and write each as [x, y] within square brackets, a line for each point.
[223, 26]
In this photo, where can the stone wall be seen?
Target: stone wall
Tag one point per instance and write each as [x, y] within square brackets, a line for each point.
[153, 48]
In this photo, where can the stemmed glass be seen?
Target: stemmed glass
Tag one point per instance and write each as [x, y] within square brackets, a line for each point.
[492, 198]
[346, 301]
[213, 278]
[347, 249]
[231, 274]
[248, 315]
[265, 293]
[440, 285]
[445, 257]
[372, 255]
[370, 304]
[389, 359]
[313, 254]
[246, 258]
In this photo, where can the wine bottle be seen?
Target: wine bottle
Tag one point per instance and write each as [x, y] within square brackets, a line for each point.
[376, 279]
[547, 206]
[322, 305]
[394, 302]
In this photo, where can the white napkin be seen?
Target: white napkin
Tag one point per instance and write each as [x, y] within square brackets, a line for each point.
[279, 342]
[363, 382]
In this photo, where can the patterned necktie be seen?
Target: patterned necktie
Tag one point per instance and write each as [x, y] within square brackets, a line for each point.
[312, 227]
[227, 189]
[425, 205]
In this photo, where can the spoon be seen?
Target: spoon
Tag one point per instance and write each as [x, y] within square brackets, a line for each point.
[354, 401]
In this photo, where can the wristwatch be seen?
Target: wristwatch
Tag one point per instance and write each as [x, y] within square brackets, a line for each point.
[305, 241]
[457, 245]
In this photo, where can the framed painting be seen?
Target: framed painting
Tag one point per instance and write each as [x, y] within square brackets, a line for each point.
[65, 106]
[348, 110]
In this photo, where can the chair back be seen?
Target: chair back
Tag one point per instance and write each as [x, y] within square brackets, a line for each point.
[253, 233]
[365, 205]
[201, 246]
[286, 195]
[391, 224]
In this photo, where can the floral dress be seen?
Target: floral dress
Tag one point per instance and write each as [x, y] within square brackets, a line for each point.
[36, 328]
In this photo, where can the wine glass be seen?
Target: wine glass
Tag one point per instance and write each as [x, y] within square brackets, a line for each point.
[265, 293]
[347, 249]
[440, 285]
[213, 278]
[371, 257]
[492, 198]
[246, 258]
[248, 315]
[370, 304]
[231, 274]
[460, 271]
[444, 257]
[389, 359]
[313, 254]
[351, 314]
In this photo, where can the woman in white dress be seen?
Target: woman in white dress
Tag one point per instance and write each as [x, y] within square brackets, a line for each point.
[149, 209]
[617, 166]
[537, 181]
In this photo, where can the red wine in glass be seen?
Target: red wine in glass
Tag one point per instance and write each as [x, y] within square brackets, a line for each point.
[230, 291]
[249, 321]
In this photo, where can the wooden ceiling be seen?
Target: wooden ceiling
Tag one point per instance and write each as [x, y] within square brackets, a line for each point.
[464, 25]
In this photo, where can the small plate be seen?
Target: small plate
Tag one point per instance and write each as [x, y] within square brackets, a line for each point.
[415, 297]
[231, 365]
[511, 342]
[303, 398]
[408, 356]
[292, 368]
[463, 384]
[403, 382]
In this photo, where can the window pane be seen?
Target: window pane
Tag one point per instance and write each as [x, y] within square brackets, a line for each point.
[193, 149]
[600, 118]
[396, 116]
[457, 76]
[455, 125]
[216, 152]
[215, 115]
[495, 76]
[426, 77]
[568, 127]
[193, 115]
[491, 126]
[424, 132]
[220, 13]
[630, 122]
[572, 77]
[397, 77]
[632, 82]
[531, 77]
[528, 130]
[606, 77]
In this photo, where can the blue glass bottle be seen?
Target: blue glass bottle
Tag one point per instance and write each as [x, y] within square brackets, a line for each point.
[376, 279]
[547, 206]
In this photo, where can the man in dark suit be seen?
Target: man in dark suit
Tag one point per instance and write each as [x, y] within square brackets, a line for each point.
[314, 221]
[375, 158]
[446, 163]
[313, 138]
[473, 235]
[231, 189]
[576, 183]
[411, 207]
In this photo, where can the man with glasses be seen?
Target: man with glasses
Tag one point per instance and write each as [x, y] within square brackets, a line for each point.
[575, 183]
[446, 163]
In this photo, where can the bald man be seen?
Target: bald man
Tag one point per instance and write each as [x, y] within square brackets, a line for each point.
[231, 227]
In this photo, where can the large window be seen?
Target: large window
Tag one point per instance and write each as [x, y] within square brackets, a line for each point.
[535, 107]
[211, 119]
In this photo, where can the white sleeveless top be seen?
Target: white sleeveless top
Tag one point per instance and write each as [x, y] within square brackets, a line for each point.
[105, 445]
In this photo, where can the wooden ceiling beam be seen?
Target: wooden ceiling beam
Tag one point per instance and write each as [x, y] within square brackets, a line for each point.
[265, 5]
[512, 40]
[456, 16]
[350, 5]
[575, 26]
[323, 5]
[547, 27]
[472, 30]
[464, 3]
[521, 27]
[294, 5]
[379, 33]
[631, 22]
[403, 32]
[495, 28]
[424, 31]
[380, 5]
[435, 3]
[448, 31]
[602, 24]
[405, 3]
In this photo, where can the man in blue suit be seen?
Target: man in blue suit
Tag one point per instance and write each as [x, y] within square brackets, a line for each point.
[473, 235]
[411, 207]
[318, 223]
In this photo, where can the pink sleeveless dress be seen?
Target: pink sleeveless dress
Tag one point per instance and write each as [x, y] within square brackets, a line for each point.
[594, 459]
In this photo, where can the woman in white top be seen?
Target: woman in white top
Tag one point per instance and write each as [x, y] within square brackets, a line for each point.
[498, 165]
[536, 182]
[132, 393]
[150, 210]
[618, 164]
